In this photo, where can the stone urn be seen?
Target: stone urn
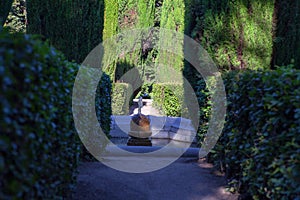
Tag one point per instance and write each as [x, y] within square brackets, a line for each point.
[140, 126]
[139, 129]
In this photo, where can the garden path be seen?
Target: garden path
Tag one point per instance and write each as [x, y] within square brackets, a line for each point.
[188, 178]
[185, 179]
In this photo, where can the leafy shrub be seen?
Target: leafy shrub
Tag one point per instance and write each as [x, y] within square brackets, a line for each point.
[103, 103]
[103, 113]
[259, 148]
[204, 101]
[145, 91]
[168, 98]
[38, 144]
[121, 97]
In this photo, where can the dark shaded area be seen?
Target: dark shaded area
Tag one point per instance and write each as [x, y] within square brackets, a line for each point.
[182, 180]
[5, 6]
[286, 34]
[128, 73]
[73, 27]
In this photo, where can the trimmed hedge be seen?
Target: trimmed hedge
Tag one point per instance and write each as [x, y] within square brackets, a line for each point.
[39, 148]
[38, 144]
[121, 97]
[260, 146]
[205, 104]
[103, 103]
[103, 113]
[168, 98]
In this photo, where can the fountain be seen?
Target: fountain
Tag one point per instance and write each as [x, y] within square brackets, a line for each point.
[139, 128]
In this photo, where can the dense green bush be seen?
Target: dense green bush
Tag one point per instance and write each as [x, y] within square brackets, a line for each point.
[205, 103]
[103, 103]
[259, 147]
[39, 146]
[168, 98]
[121, 97]
[90, 137]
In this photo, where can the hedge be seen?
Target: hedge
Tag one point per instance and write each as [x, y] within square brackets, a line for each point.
[168, 98]
[39, 148]
[260, 146]
[103, 108]
[103, 103]
[121, 98]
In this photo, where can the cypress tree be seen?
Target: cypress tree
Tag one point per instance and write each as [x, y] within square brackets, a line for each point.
[73, 27]
[109, 30]
[237, 34]
[172, 18]
[286, 33]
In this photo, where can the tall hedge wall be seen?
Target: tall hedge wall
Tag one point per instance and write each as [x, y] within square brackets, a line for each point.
[168, 98]
[121, 98]
[172, 18]
[73, 27]
[237, 34]
[259, 147]
[39, 146]
[104, 103]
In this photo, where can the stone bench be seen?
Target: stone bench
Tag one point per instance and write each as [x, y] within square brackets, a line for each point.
[162, 127]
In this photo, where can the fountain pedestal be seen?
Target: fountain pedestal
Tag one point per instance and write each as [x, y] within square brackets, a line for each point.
[139, 131]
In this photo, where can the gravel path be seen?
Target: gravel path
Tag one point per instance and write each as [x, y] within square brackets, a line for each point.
[185, 179]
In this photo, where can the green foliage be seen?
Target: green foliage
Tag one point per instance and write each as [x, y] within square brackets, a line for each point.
[168, 98]
[39, 146]
[145, 91]
[5, 6]
[128, 14]
[146, 11]
[110, 18]
[237, 34]
[121, 97]
[205, 104]
[103, 112]
[109, 30]
[286, 33]
[73, 27]
[259, 148]
[16, 20]
[103, 103]
[172, 18]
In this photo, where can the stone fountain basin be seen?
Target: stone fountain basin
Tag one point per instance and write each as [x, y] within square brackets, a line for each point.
[140, 134]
